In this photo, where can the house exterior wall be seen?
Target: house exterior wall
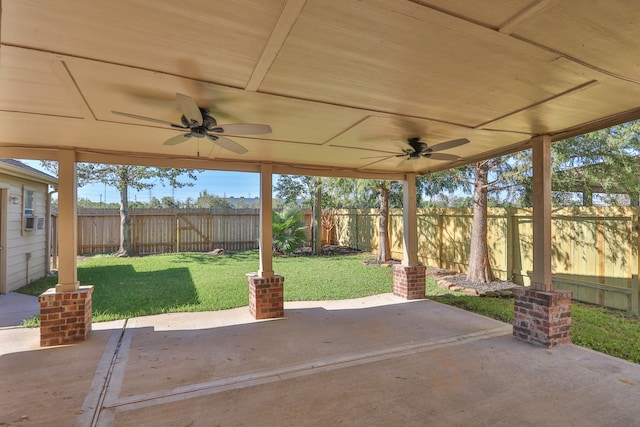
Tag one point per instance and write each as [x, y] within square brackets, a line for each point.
[20, 270]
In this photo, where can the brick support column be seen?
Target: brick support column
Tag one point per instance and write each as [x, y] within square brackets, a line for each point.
[65, 317]
[266, 296]
[542, 317]
[409, 281]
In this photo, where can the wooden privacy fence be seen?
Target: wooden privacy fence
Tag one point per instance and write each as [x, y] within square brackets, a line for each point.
[171, 230]
[595, 249]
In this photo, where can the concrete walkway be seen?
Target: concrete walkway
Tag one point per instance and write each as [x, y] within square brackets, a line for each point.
[15, 307]
[377, 361]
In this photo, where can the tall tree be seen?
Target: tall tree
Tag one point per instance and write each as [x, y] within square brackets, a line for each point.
[292, 188]
[504, 175]
[123, 177]
[368, 193]
[169, 202]
[384, 246]
[211, 201]
[604, 161]
[479, 265]
[359, 194]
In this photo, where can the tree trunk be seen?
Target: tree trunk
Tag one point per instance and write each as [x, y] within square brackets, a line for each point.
[479, 266]
[384, 250]
[316, 248]
[587, 196]
[125, 224]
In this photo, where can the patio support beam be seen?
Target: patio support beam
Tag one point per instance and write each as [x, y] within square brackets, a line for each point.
[266, 289]
[542, 315]
[66, 310]
[541, 279]
[409, 279]
[410, 221]
[266, 221]
[67, 222]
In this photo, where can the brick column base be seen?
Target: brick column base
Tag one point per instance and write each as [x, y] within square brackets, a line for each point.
[409, 281]
[65, 317]
[541, 317]
[266, 296]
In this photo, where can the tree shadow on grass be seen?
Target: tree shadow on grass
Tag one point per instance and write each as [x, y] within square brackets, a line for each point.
[122, 291]
[222, 259]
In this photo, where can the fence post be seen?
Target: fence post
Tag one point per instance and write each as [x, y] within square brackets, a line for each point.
[635, 291]
[177, 233]
[355, 226]
[439, 238]
[600, 242]
[134, 236]
[510, 213]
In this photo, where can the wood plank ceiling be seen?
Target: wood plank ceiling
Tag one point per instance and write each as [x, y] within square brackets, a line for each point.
[339, 81]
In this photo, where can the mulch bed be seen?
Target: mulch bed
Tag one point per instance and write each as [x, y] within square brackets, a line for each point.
[446, 279]
[453, 280]
[329, 250]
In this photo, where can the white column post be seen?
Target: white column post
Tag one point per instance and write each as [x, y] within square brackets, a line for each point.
[67, 222]
[541, 280]
[266, 221]
[410, 220]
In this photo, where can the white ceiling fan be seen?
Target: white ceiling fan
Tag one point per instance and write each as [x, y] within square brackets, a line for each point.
[420, 150]
[200, 124]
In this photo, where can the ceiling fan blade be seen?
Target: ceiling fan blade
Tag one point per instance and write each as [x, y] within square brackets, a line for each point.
[178, 139]
[242, 129]
[149, 119]
[388, 156]
[441, 156]
[227, 144]
[403, 162]
[449, 144]
[189, 108]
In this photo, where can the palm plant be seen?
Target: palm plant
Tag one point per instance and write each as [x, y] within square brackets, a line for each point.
[289, 230]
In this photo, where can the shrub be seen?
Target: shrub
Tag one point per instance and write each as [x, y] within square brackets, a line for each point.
[289, 230]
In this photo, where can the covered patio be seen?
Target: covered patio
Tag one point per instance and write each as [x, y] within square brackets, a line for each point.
[374, 361]
[344, 85]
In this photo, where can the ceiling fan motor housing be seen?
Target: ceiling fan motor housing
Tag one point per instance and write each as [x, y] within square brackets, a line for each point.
[418, 146]
[199, 132]
[208, 122]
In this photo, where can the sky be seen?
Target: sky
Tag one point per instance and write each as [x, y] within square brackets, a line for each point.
[220, 183]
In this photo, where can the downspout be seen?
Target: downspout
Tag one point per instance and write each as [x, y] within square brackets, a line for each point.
[49, 231]
[26, 273]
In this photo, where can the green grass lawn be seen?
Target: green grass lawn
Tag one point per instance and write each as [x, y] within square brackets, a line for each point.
[130, 287]
[138, 286]
[613, 332]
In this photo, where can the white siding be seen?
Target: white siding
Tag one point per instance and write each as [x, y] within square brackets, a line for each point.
[19, 241]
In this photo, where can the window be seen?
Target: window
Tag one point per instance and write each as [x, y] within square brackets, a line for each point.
[29, 202]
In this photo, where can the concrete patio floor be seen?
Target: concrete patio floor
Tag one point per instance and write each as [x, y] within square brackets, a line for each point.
[15, 307]
[376, 361]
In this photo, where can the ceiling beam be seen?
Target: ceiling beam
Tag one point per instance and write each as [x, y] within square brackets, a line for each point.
[534, 8]
[65, 78]
[30, 153]
[508, 27]
[288, 18]
[595, 125]
[572, 91]
[140, 159]
[336, 173]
